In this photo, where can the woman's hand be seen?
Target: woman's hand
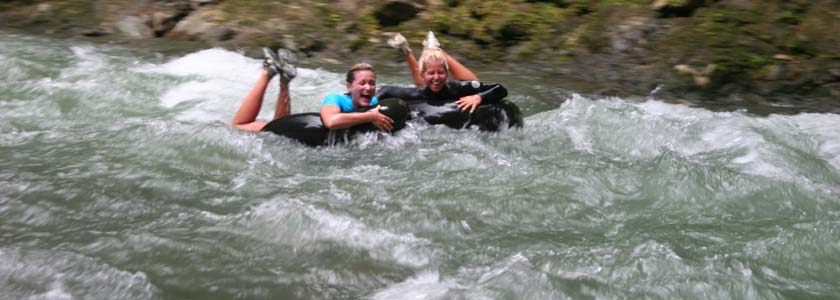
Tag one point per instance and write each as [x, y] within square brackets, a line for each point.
[469, 103]
[383, 122]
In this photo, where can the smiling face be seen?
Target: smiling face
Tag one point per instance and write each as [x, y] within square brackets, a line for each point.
[434, 74]
[363, 87]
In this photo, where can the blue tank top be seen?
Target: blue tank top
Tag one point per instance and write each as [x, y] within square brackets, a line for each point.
[344, 102]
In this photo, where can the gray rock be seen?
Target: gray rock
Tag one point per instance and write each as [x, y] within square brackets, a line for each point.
[196, 24]
[835, 73]
[101, 30]
[668, 8]
[162, 22]
[202, 2]
[134, 27]
[43, 8]
[632, 33]
[395, 12]
[834, 89]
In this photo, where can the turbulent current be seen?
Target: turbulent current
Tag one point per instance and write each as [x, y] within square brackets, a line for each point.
[121, 178]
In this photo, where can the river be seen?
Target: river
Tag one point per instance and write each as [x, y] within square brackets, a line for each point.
[121, 178]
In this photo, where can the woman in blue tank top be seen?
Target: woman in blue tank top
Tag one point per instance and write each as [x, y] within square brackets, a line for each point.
[337, 111]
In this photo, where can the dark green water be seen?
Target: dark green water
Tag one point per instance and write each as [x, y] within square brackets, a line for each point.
[120, 178]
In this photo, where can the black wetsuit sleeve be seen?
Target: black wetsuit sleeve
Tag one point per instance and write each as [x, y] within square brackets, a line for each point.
[489, 92]
[492, 93]
[404, 93]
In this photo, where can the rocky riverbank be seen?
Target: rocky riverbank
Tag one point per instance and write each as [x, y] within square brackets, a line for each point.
[726, 51]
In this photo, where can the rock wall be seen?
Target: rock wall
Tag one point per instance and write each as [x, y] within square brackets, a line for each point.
[703, 50]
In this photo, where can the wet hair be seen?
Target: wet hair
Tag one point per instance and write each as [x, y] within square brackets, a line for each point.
[351, 75]
[432, 54]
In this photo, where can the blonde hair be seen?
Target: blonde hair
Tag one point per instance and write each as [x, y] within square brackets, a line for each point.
[429, 55]
[351, 75]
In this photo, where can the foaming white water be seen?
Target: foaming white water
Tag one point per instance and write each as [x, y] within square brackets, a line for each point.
[424, 286]
[87, 60]
[126, 171]
[14, 69]
[644, 130]
[210, 63]
[825, 129]
[640, 130]
[305, 228]
[59, 275]
[214, 82]
[514, 276]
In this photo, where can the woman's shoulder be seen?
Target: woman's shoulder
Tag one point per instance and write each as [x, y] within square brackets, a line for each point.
[337, 95]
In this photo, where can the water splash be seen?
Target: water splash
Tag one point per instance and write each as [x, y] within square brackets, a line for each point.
[121, 178]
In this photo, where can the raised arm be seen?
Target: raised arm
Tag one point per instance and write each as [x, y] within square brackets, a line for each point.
[415, 68]
[458, 70]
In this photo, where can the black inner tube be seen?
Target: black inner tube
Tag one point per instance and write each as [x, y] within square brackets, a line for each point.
[487, 117]
[308, 128]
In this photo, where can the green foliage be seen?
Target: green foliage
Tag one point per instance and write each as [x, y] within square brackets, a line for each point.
[595, 4]
[742, 40]
[800, 44]
[364, 27]
[12, 4]
[496, 25]
[592, 36]
[267, 40]
[791, 12]
[255, 11]
[523, 28]
[330, 16]
[69, 13]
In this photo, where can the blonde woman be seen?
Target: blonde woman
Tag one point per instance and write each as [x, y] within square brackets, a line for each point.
[439, 100]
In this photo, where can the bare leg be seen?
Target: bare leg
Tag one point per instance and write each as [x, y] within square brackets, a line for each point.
[284, 107]
[286, 61]
[250, 108]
